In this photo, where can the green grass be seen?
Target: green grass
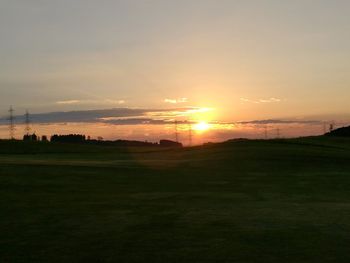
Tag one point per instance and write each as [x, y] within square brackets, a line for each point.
[240, 201]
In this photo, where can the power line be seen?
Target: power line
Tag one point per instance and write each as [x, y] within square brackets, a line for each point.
[190, 134]
[11, 123]
[27, 122]
[278, 132]
[176, 133]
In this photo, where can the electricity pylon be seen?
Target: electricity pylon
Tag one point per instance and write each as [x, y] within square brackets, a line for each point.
[176, 132]
[190, 134]
[278, 133]
[27, 123]
[11, 123]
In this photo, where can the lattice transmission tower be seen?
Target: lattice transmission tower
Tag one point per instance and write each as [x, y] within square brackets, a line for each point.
[176, 132]
[11, 123]
[190, 135]
[27, 122]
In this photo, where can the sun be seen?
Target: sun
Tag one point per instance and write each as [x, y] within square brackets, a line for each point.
[201, 126]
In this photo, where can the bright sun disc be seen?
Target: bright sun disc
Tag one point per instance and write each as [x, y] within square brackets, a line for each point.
[202, 126]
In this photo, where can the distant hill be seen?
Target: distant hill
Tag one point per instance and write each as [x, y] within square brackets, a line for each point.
[341, 132]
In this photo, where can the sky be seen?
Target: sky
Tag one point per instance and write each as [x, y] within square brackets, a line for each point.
[239, 60]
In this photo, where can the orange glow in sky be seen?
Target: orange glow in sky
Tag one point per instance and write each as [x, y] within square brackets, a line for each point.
[202, 126]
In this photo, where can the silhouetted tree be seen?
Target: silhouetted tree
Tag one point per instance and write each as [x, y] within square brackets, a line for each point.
[70, 138]
[30, 137]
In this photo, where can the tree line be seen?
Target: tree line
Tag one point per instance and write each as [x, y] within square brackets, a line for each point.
[80, 138]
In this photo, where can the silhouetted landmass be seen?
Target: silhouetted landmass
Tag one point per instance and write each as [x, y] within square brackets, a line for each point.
[133, 143]
[169, 143]
[341, 132]
[81, 139]
[70, 138]
[273, 201]
[123, 143]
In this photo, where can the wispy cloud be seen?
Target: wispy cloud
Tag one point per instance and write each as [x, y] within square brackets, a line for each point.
[135, 116]
[114, 101]
[280, 121]
[68, 102]
[176, 101]
[105, 102]
[270, 100]
[114, 115]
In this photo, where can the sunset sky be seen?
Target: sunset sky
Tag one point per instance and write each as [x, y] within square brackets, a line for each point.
[229, 60]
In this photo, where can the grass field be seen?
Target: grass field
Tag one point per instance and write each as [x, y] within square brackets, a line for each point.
[240, 201]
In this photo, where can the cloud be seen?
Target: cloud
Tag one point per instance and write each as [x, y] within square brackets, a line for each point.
[68, 102]
[136, 116]
[104, 101]
[114, 115]
[270, 100]
[280, 121]
[176, 101]
[114, 101]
